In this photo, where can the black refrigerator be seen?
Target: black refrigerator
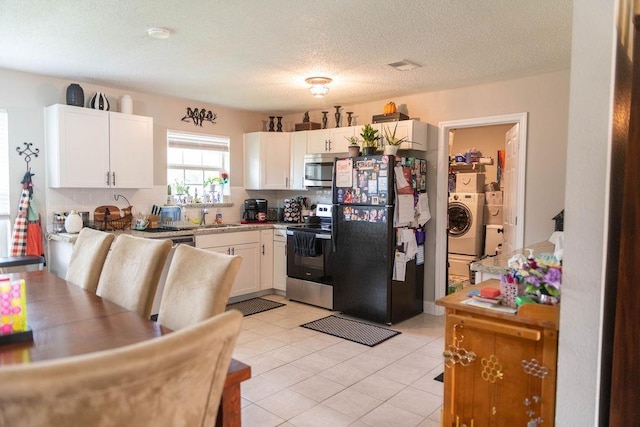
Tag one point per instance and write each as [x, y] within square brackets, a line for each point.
[366, 243]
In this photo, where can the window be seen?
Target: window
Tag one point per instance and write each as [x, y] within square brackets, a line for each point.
[5, 226]
[193, 158]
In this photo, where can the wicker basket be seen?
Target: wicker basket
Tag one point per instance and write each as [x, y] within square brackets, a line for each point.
[116, 220]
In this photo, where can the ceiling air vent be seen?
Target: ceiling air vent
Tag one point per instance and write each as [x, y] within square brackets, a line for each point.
[404, 65]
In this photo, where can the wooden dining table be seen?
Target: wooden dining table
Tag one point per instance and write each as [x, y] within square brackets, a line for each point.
[67, 320]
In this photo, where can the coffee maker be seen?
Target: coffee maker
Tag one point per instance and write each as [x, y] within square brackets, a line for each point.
[255, 210]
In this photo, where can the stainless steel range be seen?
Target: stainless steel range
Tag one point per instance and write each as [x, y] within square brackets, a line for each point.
[309, 261]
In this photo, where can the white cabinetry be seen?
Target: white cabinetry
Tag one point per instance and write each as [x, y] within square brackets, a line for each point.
[338, 138]
[266, 259]
[244, 244]
[298, 150]
[266, 160]
[329, 140]
[414, 130]
[280, 259]
[89, 148]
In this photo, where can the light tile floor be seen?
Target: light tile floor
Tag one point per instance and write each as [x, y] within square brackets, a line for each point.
[305, 378]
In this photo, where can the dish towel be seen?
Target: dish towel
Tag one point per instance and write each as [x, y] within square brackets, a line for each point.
[304, 244]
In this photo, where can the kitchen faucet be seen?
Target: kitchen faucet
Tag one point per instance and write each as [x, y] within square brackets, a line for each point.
[203, 217]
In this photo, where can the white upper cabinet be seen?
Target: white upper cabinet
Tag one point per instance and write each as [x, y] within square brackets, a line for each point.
[298, 150]
[318, 141]
[329, 140]
[414, 130]
[338, 137]
[131, 150]
[89, 148]
[267, 160]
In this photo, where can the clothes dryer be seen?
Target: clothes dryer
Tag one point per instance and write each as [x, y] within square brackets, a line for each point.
[466, 229]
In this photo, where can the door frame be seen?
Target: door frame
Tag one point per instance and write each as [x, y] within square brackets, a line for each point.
[443, 193]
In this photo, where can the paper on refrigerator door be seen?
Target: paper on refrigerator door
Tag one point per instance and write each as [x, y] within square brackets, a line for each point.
[404, 212]
[424, 214]
[399, 267]
[408, 239]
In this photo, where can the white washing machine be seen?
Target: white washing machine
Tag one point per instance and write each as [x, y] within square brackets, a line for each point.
[466, 228]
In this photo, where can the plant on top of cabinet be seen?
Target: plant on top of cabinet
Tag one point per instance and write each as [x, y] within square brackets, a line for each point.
[369, 139]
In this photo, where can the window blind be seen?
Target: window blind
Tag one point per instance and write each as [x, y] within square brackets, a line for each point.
[197, 141]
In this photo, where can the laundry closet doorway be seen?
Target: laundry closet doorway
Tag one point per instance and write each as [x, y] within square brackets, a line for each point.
[512, 179]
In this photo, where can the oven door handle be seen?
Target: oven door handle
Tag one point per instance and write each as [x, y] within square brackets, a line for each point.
[321, 236]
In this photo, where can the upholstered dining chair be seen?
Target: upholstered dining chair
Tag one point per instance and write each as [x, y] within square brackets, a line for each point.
[89, 253]
[197, 287]
[131, 272]
[173, 380]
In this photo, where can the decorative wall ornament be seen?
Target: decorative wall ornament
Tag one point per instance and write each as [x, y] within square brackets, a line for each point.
[199, 116]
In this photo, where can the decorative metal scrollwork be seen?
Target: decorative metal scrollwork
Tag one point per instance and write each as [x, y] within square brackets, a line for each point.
[454, 354]
[199, 116]
[491, 369]
[533, 367]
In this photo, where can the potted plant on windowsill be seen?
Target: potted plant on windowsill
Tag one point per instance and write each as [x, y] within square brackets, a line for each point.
[392, 141]
[369, 139]
[354, 146]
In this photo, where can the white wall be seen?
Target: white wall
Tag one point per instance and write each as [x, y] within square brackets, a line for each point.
[25, 96]
[587, 200]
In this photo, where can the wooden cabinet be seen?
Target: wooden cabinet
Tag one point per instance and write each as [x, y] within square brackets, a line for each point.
[414, 130]
[266, 259]
[244, 244]
[500, 368]
[267, 160]
[89, 148]
[298, 151]
[280, 259]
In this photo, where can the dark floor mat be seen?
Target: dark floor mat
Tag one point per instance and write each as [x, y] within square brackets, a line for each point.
[254, 305]
[352, 330]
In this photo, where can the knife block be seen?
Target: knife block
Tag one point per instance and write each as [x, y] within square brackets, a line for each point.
[153, 221]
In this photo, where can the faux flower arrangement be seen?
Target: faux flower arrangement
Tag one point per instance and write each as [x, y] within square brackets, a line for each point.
[541, 278]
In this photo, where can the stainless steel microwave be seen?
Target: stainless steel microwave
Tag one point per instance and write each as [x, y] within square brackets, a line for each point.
[318, 170]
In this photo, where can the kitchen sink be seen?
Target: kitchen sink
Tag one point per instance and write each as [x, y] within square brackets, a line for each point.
[220, 225]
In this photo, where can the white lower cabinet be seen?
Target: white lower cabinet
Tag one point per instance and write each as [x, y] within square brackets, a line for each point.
[280, 259]
[244, 244]
[266, 259]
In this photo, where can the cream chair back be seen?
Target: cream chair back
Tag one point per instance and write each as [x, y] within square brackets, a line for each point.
[131, 272]
[198, 286]
[89, 253]
[174, 380]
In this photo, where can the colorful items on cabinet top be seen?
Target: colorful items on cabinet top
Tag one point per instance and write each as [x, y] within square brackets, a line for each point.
[540, 276]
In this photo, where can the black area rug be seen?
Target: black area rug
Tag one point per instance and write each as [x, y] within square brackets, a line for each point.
[254, 305]
[440, 377]
[352, 330]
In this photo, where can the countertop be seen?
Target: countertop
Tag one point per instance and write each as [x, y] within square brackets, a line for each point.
[498, 264]
[200, 231]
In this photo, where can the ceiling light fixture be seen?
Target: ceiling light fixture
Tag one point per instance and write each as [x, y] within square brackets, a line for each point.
[318, 86]
[158, 33]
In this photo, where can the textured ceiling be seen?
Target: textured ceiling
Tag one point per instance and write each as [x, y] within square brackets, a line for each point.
[255, 54]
